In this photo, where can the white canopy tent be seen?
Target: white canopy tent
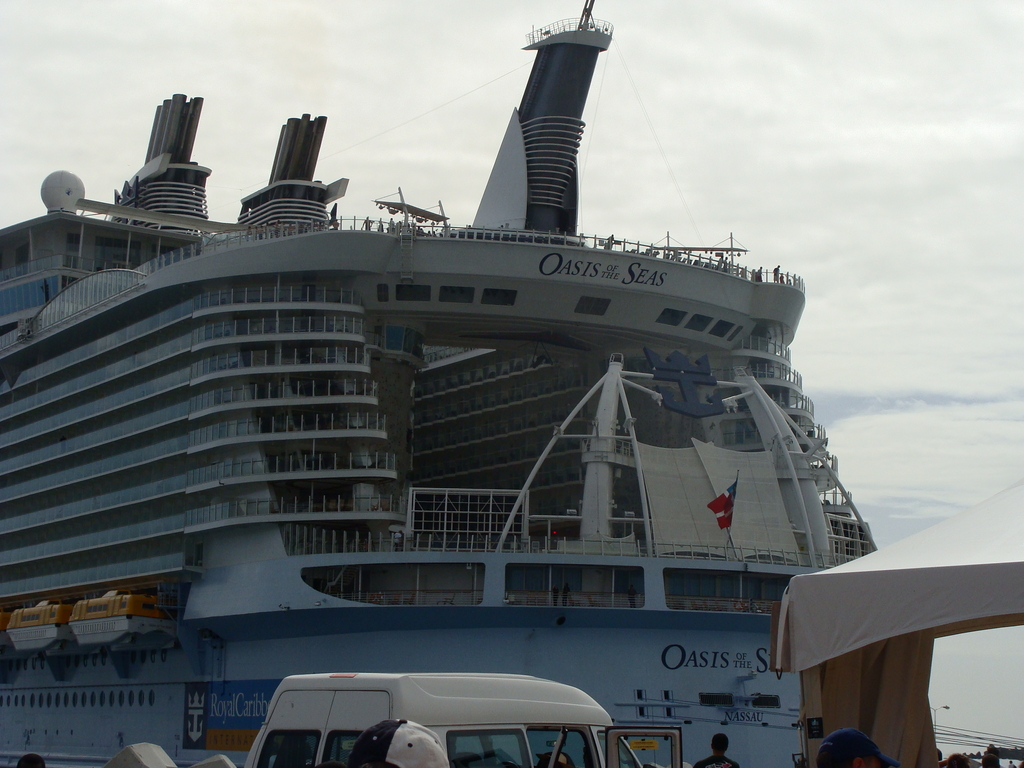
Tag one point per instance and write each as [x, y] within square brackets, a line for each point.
[861, 634]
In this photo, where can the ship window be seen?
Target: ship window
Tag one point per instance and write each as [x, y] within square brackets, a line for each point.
[339, 745]
[73, 241]
[671, 316]
[698, 322]
[92, 699]
[382, 292]
[407, 292]
[152, 697]
[715, 699]
[735, 333]
[499, 296]
[721, 328]
[591, 305]
[120, 699]
[459, 294]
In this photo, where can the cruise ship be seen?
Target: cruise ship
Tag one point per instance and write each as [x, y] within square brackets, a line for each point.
[305, 441]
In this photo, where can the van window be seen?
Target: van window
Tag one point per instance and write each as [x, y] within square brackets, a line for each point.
[499, 748]
[338, 745]
[576, 752]
[289, 749]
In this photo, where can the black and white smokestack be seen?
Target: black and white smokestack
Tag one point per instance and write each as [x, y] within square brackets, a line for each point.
[550, 115]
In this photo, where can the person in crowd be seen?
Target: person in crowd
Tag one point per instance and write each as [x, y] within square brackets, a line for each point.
[850, 748]
[958, 760]
[717, 759]
[397, 744]
[31, 760]
[990, 760]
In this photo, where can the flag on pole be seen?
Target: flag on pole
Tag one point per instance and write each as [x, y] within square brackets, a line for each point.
[722, 506]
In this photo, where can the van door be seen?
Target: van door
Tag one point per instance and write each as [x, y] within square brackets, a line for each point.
[644, 747]
[294, 729]
[352, 712]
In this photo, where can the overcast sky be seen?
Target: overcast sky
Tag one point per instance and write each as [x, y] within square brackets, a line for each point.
[873, 147]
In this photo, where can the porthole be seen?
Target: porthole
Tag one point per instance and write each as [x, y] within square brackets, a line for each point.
[152, 697]
[92, 699]
[65, 699]
[56, 700]
[78, 660]
[152, 657]
[94, 656]
[163, 655]
[32, 700]
[142, 657]
[49, 700]
[142, 698]
[110, 699]
[133, 657]
[74, 699]
[120, 699]
[131, 698]
[103, 698]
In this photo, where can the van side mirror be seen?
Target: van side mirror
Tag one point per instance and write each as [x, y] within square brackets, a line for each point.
[649, 747]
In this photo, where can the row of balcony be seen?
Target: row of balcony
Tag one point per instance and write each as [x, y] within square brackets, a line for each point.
[288, 423]
[301, 462]
[273, 294]
[490, 400]
[273, 390]
[254, 358]
[254, 326]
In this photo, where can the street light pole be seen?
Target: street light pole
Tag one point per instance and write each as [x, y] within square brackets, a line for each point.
[935, 715]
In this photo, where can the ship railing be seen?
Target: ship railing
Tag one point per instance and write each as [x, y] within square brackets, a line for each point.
[303, 462]
[568, 25]
[416, 596]
[324, 541]
[262, 358]
[728, 604]
[295, 505]
[277, 390]
[718, 258]
[576, 599]
[286, 325]
[55, 261]
[277, 294]
[761, 344]
[289, 423]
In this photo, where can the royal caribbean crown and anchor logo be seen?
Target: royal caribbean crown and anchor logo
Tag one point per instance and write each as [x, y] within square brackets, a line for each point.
[225, 715]
[688, 376]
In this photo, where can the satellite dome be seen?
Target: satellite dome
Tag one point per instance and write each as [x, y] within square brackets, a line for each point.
[61, 190]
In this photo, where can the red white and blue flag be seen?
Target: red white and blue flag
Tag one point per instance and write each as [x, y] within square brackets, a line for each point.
[722, 506]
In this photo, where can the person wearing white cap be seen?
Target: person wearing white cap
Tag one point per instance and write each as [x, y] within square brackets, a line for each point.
[397, 744]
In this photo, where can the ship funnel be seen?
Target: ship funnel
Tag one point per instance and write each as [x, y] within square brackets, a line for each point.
[534, 182]
[170, 182]
[292, 195]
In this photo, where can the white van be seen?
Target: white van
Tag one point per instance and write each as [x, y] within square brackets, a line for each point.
[484, 721]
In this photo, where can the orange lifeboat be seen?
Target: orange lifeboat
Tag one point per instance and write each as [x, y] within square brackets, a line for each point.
[121, 618]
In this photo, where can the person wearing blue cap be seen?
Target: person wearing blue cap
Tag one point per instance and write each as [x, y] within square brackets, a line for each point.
[849, 748]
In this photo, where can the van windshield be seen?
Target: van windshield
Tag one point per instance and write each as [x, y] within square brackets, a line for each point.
[498, 748]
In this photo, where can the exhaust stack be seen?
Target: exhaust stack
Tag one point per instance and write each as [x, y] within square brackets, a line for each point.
[534, 183]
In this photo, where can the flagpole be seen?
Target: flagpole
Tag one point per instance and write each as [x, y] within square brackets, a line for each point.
[728, 530]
